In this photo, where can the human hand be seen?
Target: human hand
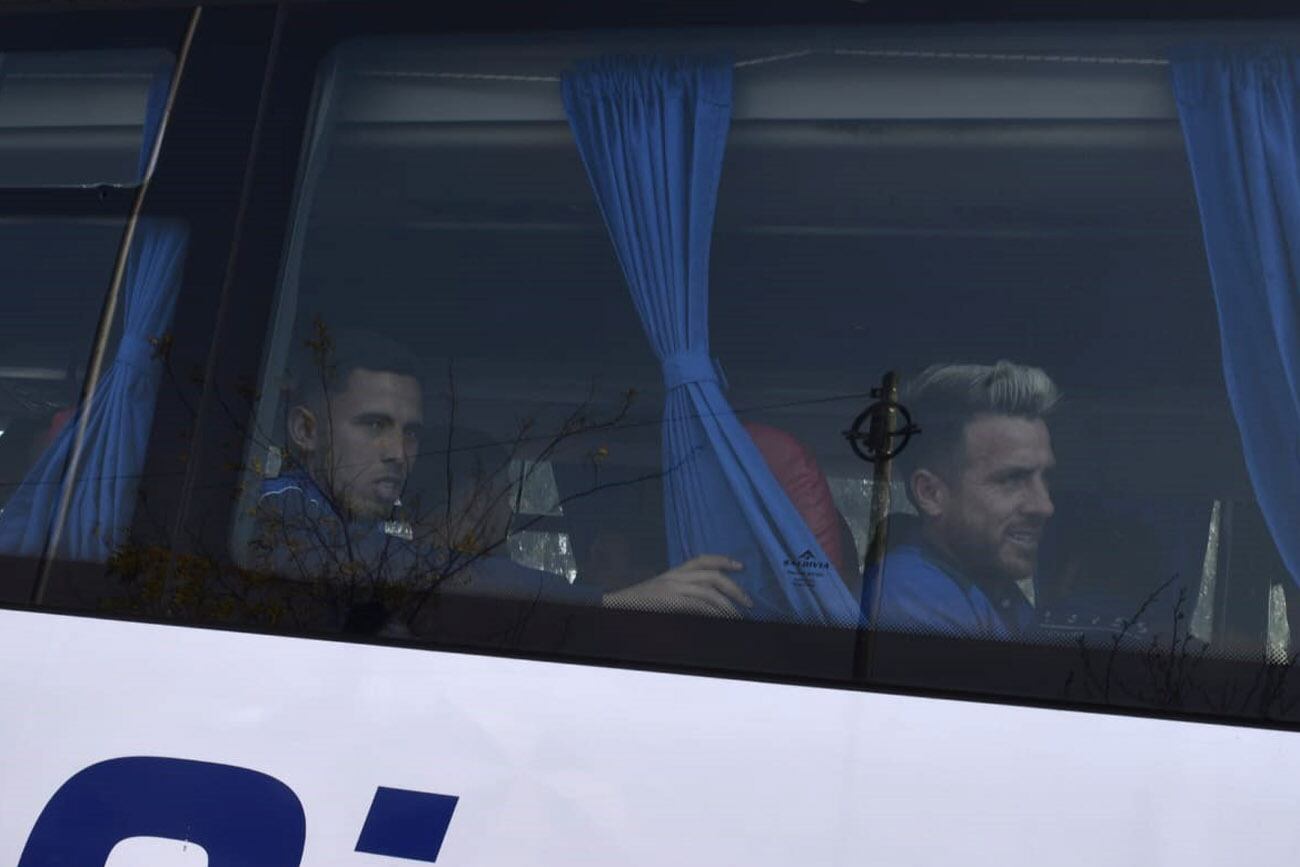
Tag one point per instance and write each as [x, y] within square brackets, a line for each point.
[697, 586]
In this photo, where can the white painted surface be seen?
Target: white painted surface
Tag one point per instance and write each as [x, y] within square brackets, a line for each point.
[564, 764]
[156, 852]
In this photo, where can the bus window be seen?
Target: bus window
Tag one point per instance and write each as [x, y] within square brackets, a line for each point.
[62, 268]
[1013, 234]
[65, 269]
[83, 345]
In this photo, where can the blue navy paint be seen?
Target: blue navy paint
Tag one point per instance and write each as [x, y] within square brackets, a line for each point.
[238, 816]
[405, 824]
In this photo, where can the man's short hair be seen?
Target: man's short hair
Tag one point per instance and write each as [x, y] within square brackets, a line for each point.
[944, 398]
[326, 362]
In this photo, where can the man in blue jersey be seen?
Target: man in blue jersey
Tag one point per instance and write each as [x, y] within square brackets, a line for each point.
[335, 517]
[977, 475]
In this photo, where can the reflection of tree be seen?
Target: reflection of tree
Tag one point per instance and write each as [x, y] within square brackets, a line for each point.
[310, 569]
[1167, 667]
[1174, 670]
[1150, 660]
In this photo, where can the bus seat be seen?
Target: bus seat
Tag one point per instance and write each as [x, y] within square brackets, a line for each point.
[57, 422]
[802, 479]
[617, 533]
[1108, 559]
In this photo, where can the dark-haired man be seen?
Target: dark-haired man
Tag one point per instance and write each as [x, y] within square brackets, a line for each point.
[353, 425]
[978, 478]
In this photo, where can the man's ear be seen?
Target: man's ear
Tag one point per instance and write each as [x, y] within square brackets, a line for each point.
[930, 493]
[303, 430]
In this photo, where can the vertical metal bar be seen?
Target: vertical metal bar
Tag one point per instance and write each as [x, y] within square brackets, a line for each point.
[105, 327]
[880, 437]
[880, 434]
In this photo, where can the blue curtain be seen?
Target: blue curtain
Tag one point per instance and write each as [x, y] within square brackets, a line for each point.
[117, 429]
[103, 495]
[1240, 113]
[652, 132]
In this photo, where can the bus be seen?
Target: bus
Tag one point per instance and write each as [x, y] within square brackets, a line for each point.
[823, 433]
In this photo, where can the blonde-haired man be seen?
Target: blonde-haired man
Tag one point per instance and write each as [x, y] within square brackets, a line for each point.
[978, 478]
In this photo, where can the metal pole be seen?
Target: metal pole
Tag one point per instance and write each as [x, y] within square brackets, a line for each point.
[880, 437]
[105, 327]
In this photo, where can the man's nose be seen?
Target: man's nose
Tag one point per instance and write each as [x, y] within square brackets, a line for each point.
[1039, 503]
[401, 449]
[393, 448]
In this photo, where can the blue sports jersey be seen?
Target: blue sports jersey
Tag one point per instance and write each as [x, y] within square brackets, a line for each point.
[301, 535]
[923, 592]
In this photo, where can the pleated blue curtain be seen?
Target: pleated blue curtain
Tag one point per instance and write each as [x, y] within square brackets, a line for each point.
[1240, 113]
[103, 495]
[652, 132]
[117, 430]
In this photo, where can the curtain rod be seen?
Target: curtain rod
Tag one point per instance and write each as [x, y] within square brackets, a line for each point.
[1001, 57]
[78, 76]
[881, 54]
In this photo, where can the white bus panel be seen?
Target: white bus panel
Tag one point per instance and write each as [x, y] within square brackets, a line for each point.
[566, 764]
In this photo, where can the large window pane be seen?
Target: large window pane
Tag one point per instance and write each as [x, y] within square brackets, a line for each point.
[887, 205]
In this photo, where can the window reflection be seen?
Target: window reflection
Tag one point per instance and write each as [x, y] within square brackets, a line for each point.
[840, 250]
